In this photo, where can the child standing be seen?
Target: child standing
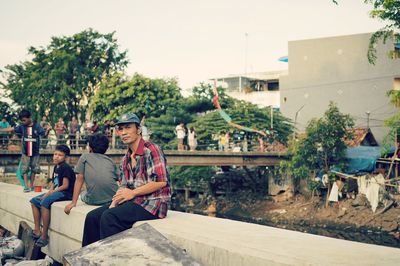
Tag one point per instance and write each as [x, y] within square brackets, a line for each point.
[61, 188]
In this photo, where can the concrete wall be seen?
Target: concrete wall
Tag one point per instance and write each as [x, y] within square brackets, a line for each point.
[211, 241]
[336, 69]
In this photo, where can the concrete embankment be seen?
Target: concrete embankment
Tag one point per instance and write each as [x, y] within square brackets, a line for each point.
[211, 241]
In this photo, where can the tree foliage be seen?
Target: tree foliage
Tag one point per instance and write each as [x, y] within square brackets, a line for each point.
[8, 113]
[139, 94]
[198, 111]
[323, 146]
[62, 77]
[245, 114]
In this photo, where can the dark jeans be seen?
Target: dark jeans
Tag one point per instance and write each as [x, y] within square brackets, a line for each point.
[104, 222]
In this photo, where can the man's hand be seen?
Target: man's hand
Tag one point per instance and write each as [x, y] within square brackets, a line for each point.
[123, 194]
[68, 208]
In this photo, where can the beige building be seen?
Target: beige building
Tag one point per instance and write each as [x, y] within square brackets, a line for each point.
[337, 69]
[261, 88]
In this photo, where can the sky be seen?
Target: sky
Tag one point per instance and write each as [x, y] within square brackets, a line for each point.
[190, 40]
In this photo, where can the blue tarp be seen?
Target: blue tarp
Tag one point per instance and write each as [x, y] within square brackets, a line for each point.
[362, 159]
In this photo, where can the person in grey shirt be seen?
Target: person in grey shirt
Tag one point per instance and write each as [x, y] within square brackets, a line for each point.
[98, 172]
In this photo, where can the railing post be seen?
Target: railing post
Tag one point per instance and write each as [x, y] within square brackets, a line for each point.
[77, 138]
[113, 139]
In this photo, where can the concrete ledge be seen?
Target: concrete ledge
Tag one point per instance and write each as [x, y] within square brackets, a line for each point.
[65, 230]
[211, 241]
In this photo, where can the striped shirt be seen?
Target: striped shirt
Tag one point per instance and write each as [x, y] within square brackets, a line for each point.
[151, 165]
[30, 138]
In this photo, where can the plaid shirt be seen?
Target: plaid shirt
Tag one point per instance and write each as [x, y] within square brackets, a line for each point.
[151, 165]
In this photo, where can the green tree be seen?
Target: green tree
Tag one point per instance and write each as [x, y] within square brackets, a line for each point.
[323, 147]
[62, 77]
[139, 94]
[8, 113]
[199, 112]
[393, 123]
[245, 114]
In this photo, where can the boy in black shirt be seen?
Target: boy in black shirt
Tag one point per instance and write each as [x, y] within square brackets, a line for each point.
[62, 187]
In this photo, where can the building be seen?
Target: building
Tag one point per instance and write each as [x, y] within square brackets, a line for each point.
[337, 69]
[261, 88]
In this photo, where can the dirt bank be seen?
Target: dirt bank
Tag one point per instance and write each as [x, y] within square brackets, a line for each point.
[350, 219]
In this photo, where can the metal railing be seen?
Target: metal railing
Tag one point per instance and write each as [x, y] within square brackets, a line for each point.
[75, 141]
[80, 142]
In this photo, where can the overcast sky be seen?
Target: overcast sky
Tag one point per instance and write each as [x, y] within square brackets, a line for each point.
[188, 39]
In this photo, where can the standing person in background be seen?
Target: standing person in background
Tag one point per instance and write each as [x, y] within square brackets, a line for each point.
[221, 141]
[87, 127]
[106, 127]
[227, 137]
[180, 134]
[4, 135]
[145, 130]
[51, 137]
[73, 128]
[60, 129]
[95, 128]
[45, 125]
[44, 122]
[185, 138]
[30, 133]
[192, 139]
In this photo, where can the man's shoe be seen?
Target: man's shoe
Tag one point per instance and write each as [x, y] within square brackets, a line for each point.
[42, 242]
[26, 189]
[34, 236]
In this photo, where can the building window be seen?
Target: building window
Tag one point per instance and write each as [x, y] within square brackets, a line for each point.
[273, 85]
[396, 84]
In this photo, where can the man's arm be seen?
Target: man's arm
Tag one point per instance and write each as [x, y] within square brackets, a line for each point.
[8, 129]
[77, 190]
[126, 194]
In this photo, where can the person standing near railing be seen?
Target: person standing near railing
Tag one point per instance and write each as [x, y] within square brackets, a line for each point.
[45, 125]
[95, 128]
[30, 133]
[60, 129]
[3, 135]
[73, 128]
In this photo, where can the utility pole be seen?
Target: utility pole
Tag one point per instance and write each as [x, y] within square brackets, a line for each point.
[272, 117]
[295, 121]
[246, 35]
[368, 113]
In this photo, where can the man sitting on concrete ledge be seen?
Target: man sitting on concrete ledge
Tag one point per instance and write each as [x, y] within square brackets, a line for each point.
[98, 172]
[62, 185]
[145, 192]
